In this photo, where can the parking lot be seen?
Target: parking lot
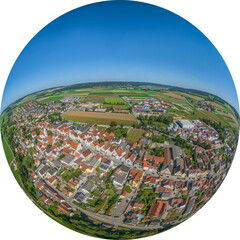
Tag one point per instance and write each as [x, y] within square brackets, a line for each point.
[120, 207]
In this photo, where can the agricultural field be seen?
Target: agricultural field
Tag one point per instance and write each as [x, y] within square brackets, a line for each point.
[135, 134]
[94, 98]
[191, 96]
[112, 97]
[174, 95]
[49, 99]
[100, 118]
[114, 101]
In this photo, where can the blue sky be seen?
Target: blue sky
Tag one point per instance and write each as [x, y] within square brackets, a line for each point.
[119, 41]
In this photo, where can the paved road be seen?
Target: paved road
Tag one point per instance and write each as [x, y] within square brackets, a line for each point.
[103, 218]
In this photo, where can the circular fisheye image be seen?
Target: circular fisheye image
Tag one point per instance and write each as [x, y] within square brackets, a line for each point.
[120, 120]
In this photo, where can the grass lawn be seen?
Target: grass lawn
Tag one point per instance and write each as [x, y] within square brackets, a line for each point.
[173, 214]
[135, 134]
[16, 175]
[7, 151]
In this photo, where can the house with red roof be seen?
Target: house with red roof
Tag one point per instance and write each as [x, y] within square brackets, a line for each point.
[138, 205]
[157, 209]
[135, 177]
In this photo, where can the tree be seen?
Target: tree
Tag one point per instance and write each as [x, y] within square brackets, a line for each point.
[113, 124]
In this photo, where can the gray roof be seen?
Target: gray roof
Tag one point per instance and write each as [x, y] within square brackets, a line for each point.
[52, 171]
[43, 170]
[48, 150]
[92, 161]
[103, 166]
[124, 168]
[79, 197]
[88, 186]
[95, 178]
[123, 145]
[56, 163]
[164, 195]
[119, 178]
[176, 152]
[188, 209]
[85, 128]
[67, 159]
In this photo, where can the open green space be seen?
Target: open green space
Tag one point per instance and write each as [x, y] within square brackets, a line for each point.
[101, 93]
[114, 101]
[123, 107]
[7, 151]
[135, 134]
[50, 99]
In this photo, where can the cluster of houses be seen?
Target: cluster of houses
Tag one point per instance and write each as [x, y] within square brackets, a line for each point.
[203, 105]
[72, 161]
[173, 200]
[196, 130]
[149, 105]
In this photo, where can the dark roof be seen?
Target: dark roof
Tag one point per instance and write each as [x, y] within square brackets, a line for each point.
[85, 128]
[52, 171]
[88, 186]
[67, 159]
[79, 197]
[43, 170]
[124, 168]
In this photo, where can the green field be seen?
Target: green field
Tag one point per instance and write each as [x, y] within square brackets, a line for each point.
[101, 93]
[111, 97]
[16, 175]
[94, 99]
[50, 99]
[135, 134]
[123, 107]
[114, 101]
[7, 151]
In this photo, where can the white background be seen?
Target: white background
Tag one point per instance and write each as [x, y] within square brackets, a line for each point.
[20, 20]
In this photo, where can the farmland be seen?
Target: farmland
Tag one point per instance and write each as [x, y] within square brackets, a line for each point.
[100, 118]
[134, 135]
[174, 95]
[110, 98]
[114, 101]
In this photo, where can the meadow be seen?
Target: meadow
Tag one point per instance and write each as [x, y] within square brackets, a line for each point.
[114, 101]
[135, 134]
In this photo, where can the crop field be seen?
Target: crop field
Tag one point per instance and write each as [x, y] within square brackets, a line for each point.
[114, 101]
[102, 93]
[191, 96]
[100, 118]
[174, 95]
[123, 107]
[166, 98]
[94, 98]
[135, 134]
[133, 94]
[49, 99]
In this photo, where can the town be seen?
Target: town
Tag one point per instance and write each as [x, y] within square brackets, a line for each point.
[151, 174]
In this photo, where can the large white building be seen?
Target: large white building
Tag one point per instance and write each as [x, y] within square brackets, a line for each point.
[185, 124]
